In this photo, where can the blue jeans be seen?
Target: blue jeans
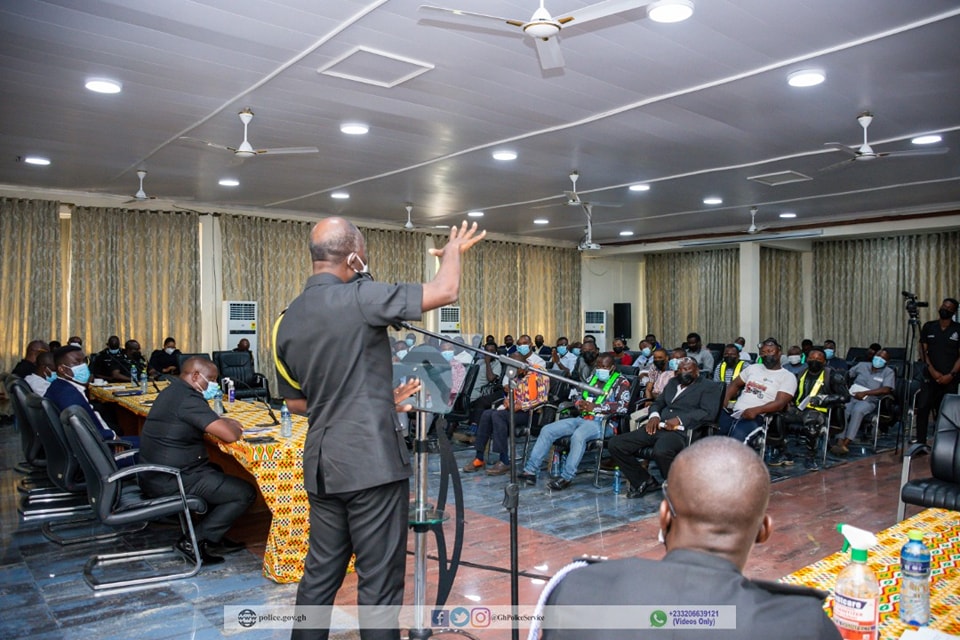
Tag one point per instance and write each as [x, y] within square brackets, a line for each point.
[580, 430]
[738, 428]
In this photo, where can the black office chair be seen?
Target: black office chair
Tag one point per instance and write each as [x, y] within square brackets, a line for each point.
[855, 355]
[183, 357]
[116, 500]
[941, 491]
[460, 411]
[238, 366]
[34, 463]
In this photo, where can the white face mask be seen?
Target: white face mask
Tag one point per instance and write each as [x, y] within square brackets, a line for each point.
[169, 351]
[793, 359]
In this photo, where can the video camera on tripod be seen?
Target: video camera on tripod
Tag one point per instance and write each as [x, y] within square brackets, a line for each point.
[913, 306]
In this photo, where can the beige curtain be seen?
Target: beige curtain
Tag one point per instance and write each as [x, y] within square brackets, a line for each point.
[135, 274]
[694, 291]
[858, 284]
[30, 276]
[781, 299]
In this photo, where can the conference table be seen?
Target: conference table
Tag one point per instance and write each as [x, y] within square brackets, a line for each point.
[941, 529]
[274, 462]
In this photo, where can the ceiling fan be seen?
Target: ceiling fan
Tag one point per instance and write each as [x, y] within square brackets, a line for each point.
[543, 27]
[245, 149]
[587, 243]
[140, 195]
[753, 228]
[574, 199]
[865, 152]
[408, 225]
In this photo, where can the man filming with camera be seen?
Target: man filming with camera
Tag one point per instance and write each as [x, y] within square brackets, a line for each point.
[940, 352]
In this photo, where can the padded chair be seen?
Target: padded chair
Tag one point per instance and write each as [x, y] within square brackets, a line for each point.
[34, 461]
[460, 411]
[855, 355]
[183, 357]
[116, 500]
[943, 489]
[238, 366]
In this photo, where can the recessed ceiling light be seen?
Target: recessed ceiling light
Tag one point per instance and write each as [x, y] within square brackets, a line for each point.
[475, 214]
[626, 233]
[103, 85]
[229, 182]
[670, 10]
[340, 195]
[712, 200]
[806, 78]
[37, 160]
[541, 221]
[639, 187]
[931, 139]
[504, 155]
[354, 128]
[788, 214]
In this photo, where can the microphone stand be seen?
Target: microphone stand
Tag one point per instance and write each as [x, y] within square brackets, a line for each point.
[511, 493]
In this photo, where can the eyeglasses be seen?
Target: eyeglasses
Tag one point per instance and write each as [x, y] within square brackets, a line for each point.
[673, 512]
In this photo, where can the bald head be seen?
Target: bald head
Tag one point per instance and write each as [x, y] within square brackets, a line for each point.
[719, 489]
[333, 239]
[198, 364]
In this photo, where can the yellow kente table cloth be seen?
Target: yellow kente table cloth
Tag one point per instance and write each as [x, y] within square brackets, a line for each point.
[941, 529]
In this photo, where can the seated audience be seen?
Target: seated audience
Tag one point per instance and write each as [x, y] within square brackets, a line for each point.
[654, 343]
[644, 358]
[166, 360]
[834, 361]
[541, 349]
[583, 369]
[488, 389]
[582, 429]
[75, 341]
[805, 345]
[104, 360]
[688, 400]
[741, 344]
[54, 345]
[869, 382]
[561, 359]
[766, 388]
[871, 351]
[508, 348]
[794, 363]
[28, 364]
[699, 353]
[457, 371]
[714, 510]
[173, 435]
[731, 364]
[620, 355]
[659, 375]
[806, 415]
[45, 373]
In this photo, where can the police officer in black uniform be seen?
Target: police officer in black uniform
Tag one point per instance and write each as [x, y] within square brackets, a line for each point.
[334, 366]
[940, 351]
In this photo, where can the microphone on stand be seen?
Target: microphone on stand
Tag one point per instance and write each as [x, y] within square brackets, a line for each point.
[266, 404]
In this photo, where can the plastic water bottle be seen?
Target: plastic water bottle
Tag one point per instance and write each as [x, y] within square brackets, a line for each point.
[915, 581]
[286, 421]
[617, 481]
[555, 465]
[563, 460]
[134, 378]
[218, 402]
[143, 381]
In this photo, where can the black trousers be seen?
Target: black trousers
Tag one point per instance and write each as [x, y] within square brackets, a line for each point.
[929, 398]
[625, 447]
[371, 523]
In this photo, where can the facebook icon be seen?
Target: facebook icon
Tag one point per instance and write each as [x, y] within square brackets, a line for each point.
[440, 618]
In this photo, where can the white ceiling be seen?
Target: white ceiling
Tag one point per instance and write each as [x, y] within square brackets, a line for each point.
[693, 109]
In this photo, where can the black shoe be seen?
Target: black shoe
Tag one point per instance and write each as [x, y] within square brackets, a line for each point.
[186, 548]
[528, 479]
[648, 485]
[559, 484]
[226, 545]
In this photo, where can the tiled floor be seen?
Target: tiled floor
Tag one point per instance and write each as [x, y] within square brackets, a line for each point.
[42, 593]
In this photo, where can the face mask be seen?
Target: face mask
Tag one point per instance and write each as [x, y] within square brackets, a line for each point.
[793, 359]
[212, 389]
[562, 350]
[731, 360]
[829, 353]
[523, 349]
[409, 342]
[447, 355]
[575, 351]
[169, 351]
[814, 366]
[50, 378]
[618, 349]
[590, 357]
[539, 343]
[80, 373]
[739, 347]
[674, 364]
[660, 537]
[878, 362]
[135, 355]
[660, 364]
[401, 354]
[945, 314]
[694, 348]
[686, 378]
[603, 374]
[113, 352]
[74, 344]
[364, 271]
[646, 352]
[770, 361]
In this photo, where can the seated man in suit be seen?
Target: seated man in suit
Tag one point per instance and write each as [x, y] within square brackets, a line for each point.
[173, 435]
[688, 400]
[714, 510]
[614, 400]
[869, 382]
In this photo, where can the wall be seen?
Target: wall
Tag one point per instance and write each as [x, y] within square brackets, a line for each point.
[605, 281]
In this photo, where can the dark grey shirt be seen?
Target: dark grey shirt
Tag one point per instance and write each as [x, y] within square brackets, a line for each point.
[333, 341]
[173, 432]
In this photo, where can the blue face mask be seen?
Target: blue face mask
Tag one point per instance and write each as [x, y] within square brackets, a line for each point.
[829, 353]
[674, 364]
[401, 354]
[575, 351]
[738, 346]
[212, 389]
[646, 352]
[603, 374]
[447, 355]
[523, 349]
[878, 362]
[562, 350]
[113, 352]
[410, 342]
[81, 373]
[51, 377]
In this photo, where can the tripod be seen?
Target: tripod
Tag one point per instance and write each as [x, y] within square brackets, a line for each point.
[907, 414]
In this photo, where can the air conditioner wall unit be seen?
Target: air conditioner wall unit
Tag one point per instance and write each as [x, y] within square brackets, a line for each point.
[240, 319]
[449, 319]
[595, 323]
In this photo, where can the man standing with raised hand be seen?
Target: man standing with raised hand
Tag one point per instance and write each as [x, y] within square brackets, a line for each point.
[334, 366]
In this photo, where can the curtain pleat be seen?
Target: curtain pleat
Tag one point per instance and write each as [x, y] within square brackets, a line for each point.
[30, 276]
[781, 299]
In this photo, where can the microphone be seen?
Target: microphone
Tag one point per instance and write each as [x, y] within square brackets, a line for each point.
[155, 386]
[266, 404]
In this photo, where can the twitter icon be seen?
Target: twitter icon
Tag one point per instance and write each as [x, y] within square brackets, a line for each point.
[459, 617]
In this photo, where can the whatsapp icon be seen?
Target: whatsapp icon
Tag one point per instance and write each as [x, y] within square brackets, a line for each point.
[658, 618]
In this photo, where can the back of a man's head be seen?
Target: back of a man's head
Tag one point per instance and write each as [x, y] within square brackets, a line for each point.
[719, 489]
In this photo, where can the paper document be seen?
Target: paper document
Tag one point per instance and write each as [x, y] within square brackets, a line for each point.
[926, 633]
[857, 388]
[803, 404]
